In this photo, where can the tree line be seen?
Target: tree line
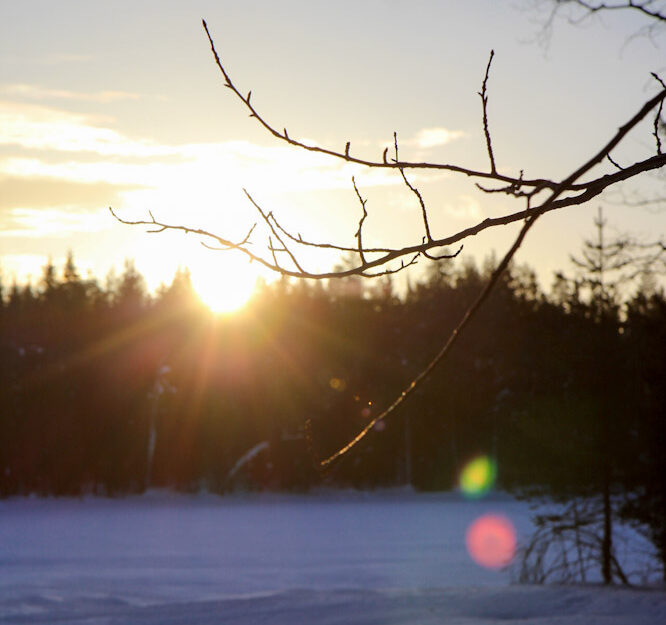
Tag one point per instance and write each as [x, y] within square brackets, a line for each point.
[108, 390]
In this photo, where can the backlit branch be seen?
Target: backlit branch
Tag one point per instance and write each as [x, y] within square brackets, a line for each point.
[471, 312]
[644, 7]
[347, 156]
[657, 117]
[407, 255]
[484, 99]
[580, 10]
[282, 251]
[520, 182]
[284, 246]
[359, 232]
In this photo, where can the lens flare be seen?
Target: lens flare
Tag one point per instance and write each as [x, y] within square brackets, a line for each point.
[338, 384]
[478, 477]
[491, 541]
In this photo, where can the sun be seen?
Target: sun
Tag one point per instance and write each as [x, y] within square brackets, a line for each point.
[224, 286]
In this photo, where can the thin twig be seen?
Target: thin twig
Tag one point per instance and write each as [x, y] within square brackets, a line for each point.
[613, 162]
[276, 233]
[358, 234]
[657, 117]
[419, 197]
[641, 7]
[484, 100]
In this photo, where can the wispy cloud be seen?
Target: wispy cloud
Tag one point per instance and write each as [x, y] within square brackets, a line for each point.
[38, 223]
[38, 127]
[45, 192]
[434, 137]
[35, 92]
[55, 58]
[464, 207]
[196, 174]
[74, 161]
[427, 138]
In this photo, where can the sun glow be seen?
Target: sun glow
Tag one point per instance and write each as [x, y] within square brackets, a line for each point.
[224, 287]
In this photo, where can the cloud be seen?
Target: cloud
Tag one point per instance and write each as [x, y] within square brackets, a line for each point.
[47, 59]
[465, 207]
[279, 167]
[75, 161]
[435, 137]
[427, 138]
[38, 223]
[37, 127]
[34, 92]
[35, 206]
[44, 192]
[197, 171]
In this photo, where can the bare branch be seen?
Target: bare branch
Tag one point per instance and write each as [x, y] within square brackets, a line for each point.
[641, 7]
[388, 255]
[267, 219]
[576, 12]
[569, 191]
[657, 117]
[425, 373]
[424, 211]
[443, 256]
[326, 245]
[484, 100]
[537, 184]
[384, 163]
[225, 244]
[358, 234]
[472, 310]
[610, 159]
[382, 257]
[387, 272]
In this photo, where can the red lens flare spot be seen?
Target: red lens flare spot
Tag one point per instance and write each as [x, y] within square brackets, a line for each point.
[491, 541]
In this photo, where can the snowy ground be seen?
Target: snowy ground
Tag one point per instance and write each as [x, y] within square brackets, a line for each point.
[388, 558]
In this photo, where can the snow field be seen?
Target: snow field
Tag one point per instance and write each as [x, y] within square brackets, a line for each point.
[394, 557]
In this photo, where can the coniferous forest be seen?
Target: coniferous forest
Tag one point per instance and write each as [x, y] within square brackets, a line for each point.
[109, 390]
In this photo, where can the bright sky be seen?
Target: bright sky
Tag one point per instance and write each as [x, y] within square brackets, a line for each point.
[120, 104]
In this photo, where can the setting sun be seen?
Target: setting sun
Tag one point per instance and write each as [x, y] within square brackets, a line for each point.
[224, 287]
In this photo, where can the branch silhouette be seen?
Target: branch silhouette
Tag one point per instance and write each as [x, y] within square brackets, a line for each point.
[540, 195]
[281, 252]
[476, 305]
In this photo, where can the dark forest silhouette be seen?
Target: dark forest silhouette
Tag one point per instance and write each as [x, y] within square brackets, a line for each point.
[108, 390]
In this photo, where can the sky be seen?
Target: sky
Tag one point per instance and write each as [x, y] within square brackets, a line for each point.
[120, 104]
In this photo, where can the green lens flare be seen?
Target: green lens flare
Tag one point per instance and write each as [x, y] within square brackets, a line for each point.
[478, 477]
